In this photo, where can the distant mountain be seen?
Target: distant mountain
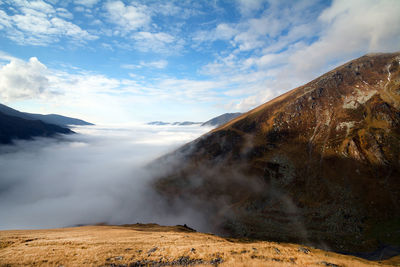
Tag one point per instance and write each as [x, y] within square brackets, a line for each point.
[318, 165]
[13, 112]
[215, 122]
[58, 119]
[50, 118]
[184, 123]
[12, 127]
[222, 119]
[160, 123]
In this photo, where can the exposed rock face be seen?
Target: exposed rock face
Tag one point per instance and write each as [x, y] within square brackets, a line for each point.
[319, 164]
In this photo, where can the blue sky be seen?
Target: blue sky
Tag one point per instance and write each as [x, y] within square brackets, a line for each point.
[136, 61]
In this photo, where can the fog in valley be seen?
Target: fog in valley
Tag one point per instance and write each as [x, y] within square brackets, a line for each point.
[98, 175]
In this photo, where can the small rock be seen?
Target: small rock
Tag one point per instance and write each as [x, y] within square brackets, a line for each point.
[193, 250]
[216, 261]
[277, 251]
[328, 264]
[152, 250]
[119, 258]
[304, 250]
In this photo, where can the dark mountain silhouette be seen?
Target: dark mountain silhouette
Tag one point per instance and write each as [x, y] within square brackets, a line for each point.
[50, 118]
[221, 119]
[319, 164]
[13, 112]
[12, 128]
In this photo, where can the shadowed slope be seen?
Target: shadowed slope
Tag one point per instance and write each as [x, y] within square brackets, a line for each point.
[12, 128]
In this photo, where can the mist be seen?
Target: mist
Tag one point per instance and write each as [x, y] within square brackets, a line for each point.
[98, 175]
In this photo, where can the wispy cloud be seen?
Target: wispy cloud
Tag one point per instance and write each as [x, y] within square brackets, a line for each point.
[157, 42]
[39, 23]
[88, 3]
[127, 17]
[159, 64]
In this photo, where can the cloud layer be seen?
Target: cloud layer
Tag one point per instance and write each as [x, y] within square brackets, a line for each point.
[96, 176]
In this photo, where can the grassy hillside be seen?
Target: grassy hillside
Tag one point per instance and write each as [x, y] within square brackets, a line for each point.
[154, 245]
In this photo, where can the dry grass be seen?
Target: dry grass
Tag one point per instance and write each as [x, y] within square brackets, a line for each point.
[124, 245]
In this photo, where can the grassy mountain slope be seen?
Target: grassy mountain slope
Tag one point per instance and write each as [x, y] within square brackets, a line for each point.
[318, 165]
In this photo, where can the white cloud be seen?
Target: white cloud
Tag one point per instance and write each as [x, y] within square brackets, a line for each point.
[280, 21]
[252, 101]
[38, 23]
[23, 80]
[351, 28]
[157, 42]
[247, 7]
[159, 64]
[62, 12]
[223, 31]
[88, 3]
[127, 17]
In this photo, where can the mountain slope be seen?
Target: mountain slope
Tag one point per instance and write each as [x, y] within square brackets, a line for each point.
[50, 118]
[318, 165]
[12, 128]
[221, 119]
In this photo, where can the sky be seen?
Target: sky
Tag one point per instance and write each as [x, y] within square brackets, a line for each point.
[119, 62]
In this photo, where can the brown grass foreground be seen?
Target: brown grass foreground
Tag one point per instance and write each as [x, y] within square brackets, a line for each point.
[154, 245]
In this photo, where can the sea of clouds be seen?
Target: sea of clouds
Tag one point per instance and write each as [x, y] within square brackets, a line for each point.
[99, 175]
